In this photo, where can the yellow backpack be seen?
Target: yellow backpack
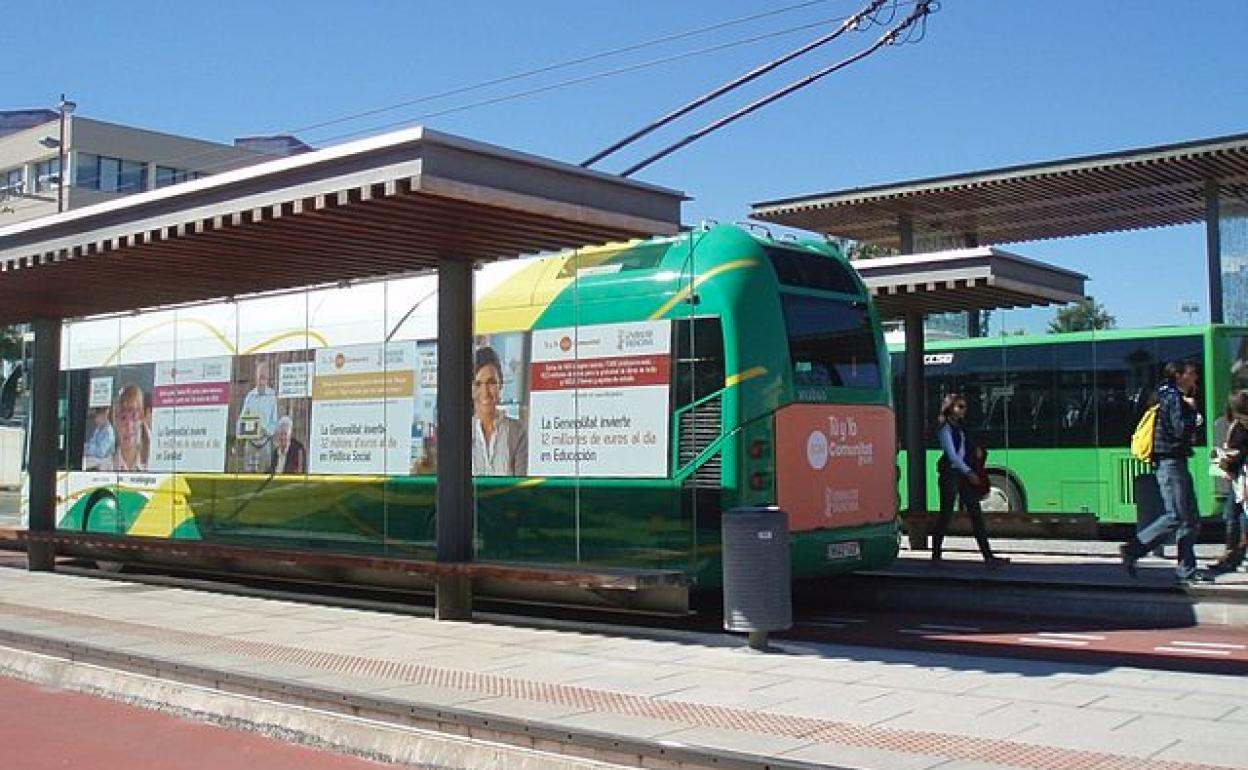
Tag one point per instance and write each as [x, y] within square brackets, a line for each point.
[1142, 439]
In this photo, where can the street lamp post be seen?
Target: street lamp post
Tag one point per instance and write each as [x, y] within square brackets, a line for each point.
[66, 108]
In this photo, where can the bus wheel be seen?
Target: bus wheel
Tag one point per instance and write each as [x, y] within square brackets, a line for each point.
[1003, 495]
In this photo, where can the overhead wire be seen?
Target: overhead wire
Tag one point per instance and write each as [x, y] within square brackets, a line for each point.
[922, 8]
[851, 22]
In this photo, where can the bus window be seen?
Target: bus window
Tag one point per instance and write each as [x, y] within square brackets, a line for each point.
[812, 271]
[699, 359]
[1029, 385]
[831, 342]
[1077, 408]
[1239, 361]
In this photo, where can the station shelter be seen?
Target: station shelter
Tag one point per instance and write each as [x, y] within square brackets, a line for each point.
[946, 230]
[413, 200]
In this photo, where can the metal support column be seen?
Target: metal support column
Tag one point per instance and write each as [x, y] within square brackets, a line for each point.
[970, 241]
[1213, 250]
[44, 435]
[916, 453]
[453, 593]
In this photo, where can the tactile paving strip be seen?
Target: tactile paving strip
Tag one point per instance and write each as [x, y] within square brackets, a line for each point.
[986, 750]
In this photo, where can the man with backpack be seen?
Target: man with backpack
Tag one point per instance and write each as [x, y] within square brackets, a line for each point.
[1177, 421]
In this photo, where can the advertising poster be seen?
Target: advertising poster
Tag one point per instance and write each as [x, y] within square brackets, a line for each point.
[362, 407]
[500, 436]
[190, 407]
[117, 427]
[835, 465]
[269, 413]
[599, 400]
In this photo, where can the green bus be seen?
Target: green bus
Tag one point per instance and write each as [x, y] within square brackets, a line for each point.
[625, 397]
[1056, 412]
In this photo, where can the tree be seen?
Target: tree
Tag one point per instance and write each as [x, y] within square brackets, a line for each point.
[1082, 316]
[863, 250]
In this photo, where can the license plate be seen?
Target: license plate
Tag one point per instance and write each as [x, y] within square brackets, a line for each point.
[839, 551]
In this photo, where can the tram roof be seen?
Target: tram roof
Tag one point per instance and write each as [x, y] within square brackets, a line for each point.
[1125, 190]
[982, 278]
[390, 204]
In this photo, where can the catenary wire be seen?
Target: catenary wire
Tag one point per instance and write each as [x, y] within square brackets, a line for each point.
[920, 12]
[851, 22]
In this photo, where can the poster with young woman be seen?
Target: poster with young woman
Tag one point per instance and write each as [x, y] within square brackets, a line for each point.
[117, 434]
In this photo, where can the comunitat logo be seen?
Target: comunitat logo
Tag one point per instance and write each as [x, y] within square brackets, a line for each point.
[340, 361]
[817, 450]
[565, 343]
[840, 440]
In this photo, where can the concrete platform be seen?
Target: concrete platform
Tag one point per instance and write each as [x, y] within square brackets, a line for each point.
[1056, 579]
[496, 693]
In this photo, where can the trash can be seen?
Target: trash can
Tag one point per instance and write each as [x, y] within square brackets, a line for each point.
[757, 579]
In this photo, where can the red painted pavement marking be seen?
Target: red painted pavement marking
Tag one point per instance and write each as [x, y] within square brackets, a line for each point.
[987, 750]
[45, 729]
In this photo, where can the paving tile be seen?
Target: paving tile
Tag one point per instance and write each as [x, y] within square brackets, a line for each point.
[740, 741]
[1238, 715]
[728, 697]
[832, 708]
[515, 708]
[1029, 714]
[1083, 739]
[864, 758]
[966, 706]
[1222, 754]
[1041, 691]
[1187, 705]
[819, 692]
[618, 724]
[426, 695]
[995, 724]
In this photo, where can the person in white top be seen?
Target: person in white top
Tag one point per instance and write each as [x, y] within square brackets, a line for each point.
[258, 417]
[500, 445]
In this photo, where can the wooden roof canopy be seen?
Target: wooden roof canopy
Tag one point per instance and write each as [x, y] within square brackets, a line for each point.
[1127, 190]
[391, 204]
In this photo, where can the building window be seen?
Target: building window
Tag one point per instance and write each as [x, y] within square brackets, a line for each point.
[10, 183]
[47, 175]
[100, 172]
[167, 175]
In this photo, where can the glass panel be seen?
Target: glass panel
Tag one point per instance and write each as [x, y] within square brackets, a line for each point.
[110, 174]
[1127, 376]
[1030, 411]
[132, 177]
[1237, 349]
[812, 271]
[831, 342]
[1081, 398]
[1233, 238]
[87, 171]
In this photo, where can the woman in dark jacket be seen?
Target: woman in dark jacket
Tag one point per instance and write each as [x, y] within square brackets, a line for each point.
[1231, 459]
[960, 473]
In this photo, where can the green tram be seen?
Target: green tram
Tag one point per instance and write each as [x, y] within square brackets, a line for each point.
[1056, 412]
[624, 398]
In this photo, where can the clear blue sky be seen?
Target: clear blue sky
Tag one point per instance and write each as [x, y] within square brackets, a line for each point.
[995, 82]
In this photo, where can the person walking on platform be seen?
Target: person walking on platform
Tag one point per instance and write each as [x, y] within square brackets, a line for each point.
[960, 472]
[1178, 418]
[1231, 457]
